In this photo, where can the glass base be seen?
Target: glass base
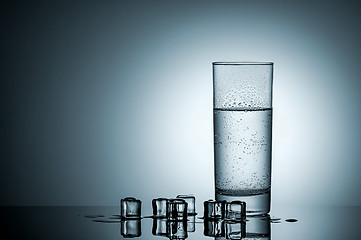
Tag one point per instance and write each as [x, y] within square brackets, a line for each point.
[255, 204]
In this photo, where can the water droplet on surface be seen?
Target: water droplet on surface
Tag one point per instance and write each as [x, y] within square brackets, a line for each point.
[94, 216]
[106, 221]
[291, 220]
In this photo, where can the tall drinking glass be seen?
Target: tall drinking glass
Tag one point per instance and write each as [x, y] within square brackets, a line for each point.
[242, 114]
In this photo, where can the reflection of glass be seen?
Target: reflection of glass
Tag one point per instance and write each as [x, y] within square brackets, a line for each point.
[258, 227]
[131, 228]
[242, 111]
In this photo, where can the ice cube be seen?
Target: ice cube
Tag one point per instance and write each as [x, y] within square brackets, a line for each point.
[177, 209]
[235, 210]
[191, 201]
[160, 206]
[130, 208]
[131, 228]
[214, 209]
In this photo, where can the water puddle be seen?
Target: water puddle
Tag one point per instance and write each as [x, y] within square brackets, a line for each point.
[291, 220]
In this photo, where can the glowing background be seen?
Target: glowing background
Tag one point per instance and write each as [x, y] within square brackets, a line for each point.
[106, 100]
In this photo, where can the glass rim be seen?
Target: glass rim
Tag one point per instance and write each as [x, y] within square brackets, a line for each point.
[242, 63]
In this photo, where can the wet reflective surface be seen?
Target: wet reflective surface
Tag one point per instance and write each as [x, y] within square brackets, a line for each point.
[105, 223]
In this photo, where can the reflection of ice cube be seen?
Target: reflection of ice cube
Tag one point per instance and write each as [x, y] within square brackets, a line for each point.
[177, 230]
[191, 224]
[159, 227]
[236, 210]
[213, 228]
[177, 209]
[160, 207]
[131, 228]
[191, 201]
[214, 209]
[235, 230]
[130, 208]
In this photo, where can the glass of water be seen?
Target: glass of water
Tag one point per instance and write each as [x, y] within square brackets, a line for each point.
[242, 114]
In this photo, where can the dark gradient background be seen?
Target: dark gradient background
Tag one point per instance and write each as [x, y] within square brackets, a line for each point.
[103, 100]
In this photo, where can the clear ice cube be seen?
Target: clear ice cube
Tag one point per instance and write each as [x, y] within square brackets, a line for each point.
[160, 207]
[177, 209]
[214, 209]
[130, 208]
[191, 201]
[235, 210]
